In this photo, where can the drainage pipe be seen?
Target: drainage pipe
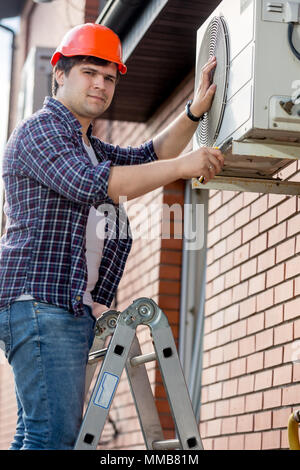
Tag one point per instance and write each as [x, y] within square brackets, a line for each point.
[120, 14]
[184, 277]
[202, 197]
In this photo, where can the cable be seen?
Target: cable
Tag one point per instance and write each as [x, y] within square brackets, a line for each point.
[290, 38]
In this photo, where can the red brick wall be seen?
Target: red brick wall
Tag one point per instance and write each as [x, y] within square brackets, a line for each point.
[250, 382]
[91, 11]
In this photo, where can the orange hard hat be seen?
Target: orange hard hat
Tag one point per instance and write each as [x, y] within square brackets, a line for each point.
[91, 39]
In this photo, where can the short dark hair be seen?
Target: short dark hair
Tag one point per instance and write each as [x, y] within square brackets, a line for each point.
[67, 63]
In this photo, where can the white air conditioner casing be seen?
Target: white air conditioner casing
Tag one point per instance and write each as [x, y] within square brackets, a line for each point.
[35, 81]
[263, 74]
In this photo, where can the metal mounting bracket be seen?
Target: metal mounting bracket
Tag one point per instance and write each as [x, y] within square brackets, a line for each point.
[251, 165]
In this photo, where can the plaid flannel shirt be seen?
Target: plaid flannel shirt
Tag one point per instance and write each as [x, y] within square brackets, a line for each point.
[50, 185]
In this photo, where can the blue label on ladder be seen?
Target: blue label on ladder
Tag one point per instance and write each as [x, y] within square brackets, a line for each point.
[106, 390]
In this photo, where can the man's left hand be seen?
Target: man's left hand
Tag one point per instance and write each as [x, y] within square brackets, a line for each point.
[205, 93]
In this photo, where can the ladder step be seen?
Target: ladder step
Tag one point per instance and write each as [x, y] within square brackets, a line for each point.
[138, 360]
[95, 355]
[165, 445]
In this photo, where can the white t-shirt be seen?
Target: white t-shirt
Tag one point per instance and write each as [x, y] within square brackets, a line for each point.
[95, 231]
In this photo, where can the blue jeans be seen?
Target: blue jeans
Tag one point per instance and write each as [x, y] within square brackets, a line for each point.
[47, 347]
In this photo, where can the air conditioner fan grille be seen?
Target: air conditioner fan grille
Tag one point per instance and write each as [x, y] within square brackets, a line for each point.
[215, 43]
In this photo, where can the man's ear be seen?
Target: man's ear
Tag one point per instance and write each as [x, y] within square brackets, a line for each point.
[59, 76]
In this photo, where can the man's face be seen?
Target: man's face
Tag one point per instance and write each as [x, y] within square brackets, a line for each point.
[88, 89]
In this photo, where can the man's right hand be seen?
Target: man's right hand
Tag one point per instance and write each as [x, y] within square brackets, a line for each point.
[206, 162]
[137, 180]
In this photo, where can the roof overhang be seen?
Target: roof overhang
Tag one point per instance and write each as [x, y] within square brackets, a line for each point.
[159, 41]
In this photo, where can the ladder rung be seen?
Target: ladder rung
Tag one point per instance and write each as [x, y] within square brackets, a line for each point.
[137, 360]
[165, 445]
[95, 355]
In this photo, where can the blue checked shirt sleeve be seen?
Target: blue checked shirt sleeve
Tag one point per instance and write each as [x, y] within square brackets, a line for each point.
[145, 153]
[49, 155]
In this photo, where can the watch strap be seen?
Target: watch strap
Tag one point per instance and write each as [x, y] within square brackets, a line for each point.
[190, 114]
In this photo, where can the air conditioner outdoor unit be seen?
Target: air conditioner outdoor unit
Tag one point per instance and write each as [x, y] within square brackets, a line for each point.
[255, 116]
[35, 81]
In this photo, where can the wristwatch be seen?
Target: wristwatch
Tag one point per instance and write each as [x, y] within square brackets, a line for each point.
[190, 114]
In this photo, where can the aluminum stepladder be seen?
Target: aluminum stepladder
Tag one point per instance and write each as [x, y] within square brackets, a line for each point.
[124, 352]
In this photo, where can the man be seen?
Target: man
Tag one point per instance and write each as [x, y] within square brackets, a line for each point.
[59, 266]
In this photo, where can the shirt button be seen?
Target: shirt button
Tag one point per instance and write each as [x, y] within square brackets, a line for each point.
[35, 304]
[78, 297]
